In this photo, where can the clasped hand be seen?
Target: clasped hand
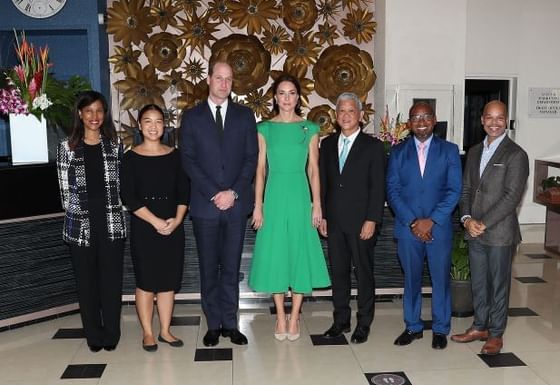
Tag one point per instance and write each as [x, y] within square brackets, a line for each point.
[165, 226]
[422, 229]
[474, 227]
[224, 200]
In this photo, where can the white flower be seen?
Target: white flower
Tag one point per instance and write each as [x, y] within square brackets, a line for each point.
[42, 102]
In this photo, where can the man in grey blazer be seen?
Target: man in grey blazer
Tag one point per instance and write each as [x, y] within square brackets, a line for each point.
[493, 184]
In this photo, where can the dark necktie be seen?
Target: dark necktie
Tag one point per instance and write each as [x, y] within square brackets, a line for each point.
[219, 121]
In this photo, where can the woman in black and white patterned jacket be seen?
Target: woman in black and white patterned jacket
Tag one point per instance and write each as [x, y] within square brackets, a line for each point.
[88, 164]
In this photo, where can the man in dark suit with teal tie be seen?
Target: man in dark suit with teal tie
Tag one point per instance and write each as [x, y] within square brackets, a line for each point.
[495, 177]
[219, 153]
[423, 188]
[352, 169]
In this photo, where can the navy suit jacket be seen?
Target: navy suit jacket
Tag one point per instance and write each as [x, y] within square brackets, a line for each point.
[433, 196]
[217, 161]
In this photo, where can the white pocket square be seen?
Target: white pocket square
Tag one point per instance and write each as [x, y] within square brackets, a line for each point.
[498, 165]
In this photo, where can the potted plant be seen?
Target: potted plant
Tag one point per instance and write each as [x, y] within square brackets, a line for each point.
[33, 99]
[461, 293]
[551, 189]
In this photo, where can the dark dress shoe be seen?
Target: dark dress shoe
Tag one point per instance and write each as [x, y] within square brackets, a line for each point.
[110, 348]
[95, 348]
[408, 336]
[360, 334]
[439, 341]
[211, 338]
[336, 330]
[235, 336]
[176, 344]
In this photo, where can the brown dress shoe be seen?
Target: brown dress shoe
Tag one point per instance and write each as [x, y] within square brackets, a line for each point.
[492, 346]
[470, 335]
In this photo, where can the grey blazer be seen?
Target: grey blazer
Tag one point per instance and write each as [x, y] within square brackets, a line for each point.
[493, 197]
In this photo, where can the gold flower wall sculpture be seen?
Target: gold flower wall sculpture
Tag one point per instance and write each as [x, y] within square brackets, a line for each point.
[274, 40]
[164, 11]
[299, 15]
[129, 21]
[248, 58]
[343, 68]
[302, 50]
[125, 59]
[160, 51]
[141, 88]
[198, 31]
[165, 51]
[359, 25]
[329, 9]
[326, 34]
[255, 15]
[325, 116]
[259, 101]
[219, 11]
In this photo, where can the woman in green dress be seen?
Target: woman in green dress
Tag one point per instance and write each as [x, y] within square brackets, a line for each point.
[287, 254]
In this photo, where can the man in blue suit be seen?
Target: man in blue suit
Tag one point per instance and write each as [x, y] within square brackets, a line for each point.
[423, 188]
[219, 153]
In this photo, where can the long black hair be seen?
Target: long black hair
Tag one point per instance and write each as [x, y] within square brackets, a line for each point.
[83, 100]
[285, 77]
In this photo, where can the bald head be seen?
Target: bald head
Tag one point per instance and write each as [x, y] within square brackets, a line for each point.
[494, 119]
[495, 104]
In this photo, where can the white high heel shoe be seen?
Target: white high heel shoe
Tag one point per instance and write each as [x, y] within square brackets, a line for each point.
[293, 337]
[279, 336]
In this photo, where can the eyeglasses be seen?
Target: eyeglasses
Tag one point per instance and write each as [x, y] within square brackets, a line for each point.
[418, 118]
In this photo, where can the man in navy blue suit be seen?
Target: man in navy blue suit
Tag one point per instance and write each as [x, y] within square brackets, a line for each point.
[219, 153]
[423, 188]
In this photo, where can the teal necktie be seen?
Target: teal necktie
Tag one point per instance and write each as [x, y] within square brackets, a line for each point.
[344, 153]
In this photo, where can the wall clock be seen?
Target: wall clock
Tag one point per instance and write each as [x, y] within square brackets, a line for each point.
[39, 9]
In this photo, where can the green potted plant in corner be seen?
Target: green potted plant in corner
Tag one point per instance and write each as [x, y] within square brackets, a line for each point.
[461, 293]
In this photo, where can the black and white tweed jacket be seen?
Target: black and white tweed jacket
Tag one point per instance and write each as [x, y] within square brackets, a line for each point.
[73, 193]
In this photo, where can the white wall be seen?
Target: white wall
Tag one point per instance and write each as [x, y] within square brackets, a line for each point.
[431, 42]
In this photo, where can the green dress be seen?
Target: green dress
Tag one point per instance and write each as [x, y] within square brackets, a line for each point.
[287, 251]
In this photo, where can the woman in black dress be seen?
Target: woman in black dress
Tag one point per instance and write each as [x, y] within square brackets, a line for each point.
[156, 191]
[88, 165]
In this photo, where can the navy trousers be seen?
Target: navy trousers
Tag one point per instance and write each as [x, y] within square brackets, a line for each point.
[219, 243]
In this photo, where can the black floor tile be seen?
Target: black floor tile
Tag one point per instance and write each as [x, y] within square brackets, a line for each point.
[213, 354]
[69, 334]
[530, 279]
[538, 256]
[388, 378]
[84, 371]
[185, 321]
[501, 360]
[320, 340]
[521, 312]
[427, 324]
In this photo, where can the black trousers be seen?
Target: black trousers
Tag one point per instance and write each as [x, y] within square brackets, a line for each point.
[99, 270]
[346, 252]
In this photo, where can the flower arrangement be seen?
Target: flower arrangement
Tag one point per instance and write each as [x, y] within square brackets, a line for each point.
[31, 89]
[27, 81]
[392, 132]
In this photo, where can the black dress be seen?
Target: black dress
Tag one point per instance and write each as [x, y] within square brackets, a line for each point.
[158, 183]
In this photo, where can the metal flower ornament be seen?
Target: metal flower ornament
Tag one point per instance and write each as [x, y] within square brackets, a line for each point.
[27, 81]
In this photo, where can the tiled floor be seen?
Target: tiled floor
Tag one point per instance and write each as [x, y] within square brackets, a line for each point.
[30, 355]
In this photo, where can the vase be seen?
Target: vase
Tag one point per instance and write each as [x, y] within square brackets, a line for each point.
[28, 139]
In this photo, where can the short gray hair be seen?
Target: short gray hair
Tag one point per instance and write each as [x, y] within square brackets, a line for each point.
[349, 96]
